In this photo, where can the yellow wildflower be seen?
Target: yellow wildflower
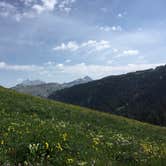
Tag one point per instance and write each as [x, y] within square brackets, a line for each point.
[59, 147]
[64, 136]
[96, 141]
[69, 161]
[46, 145]
[2, 142]
[147, 148]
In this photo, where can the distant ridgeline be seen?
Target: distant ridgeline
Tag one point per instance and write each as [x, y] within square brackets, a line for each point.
[139, 95]
[42, 89]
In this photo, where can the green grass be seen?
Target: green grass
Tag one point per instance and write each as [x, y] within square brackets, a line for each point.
[35, 131]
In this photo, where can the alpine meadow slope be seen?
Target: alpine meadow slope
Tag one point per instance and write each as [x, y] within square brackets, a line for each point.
[139, 95]
[37, 131]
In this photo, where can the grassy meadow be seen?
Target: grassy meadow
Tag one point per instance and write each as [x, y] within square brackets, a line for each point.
[35, 131]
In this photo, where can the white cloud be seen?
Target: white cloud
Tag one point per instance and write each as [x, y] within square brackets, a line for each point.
[5, 66]
[28, 3]
[2, 65]
[47, 5]
[97, 45]
[71, 46]
[6, 6]
[116, 28]
[130, 52]
[50, 63]
[60, 65]
[102, 45]
[121, 15]
[127, 53]
[109, 28]
[6, 9]
[32, 8]
[67, 60]
[9, 10]
[65, 5]
[67, 9]
[91, 44]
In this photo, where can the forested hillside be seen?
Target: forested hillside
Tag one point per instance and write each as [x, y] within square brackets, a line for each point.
[140, 95]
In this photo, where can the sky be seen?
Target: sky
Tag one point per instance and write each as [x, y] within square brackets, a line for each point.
[61, 40]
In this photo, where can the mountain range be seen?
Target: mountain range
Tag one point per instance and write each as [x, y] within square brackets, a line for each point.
[31, 82]
[42, 89]
[139, 95]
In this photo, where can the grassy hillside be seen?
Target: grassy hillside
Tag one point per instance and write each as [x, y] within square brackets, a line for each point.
[35, 131]
[139, 95]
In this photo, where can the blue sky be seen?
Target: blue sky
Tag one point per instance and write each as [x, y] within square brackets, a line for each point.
[61, 40]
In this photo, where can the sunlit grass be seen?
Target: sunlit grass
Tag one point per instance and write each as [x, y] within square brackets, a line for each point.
[35, 131]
